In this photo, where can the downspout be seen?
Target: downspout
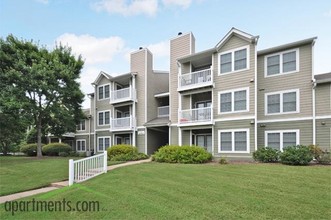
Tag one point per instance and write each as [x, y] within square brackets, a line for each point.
[255, 92]
[313, 94]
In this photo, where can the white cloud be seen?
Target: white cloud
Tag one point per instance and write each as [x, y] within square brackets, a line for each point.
[328, 14]
[181, 3]
[134, 7]
[94, 50]
[160, 49]
[45, 2]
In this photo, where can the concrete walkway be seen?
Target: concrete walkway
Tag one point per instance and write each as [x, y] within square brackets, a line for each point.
[58, 185]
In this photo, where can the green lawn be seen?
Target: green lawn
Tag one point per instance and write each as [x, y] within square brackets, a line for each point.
[212, 191]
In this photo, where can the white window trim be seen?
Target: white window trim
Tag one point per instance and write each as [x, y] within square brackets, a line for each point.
[281, 93]
[281, 132]
[297, 56]
[103, 140]
[232, 91]
[233, 140]
[81, 126]
[80, 140]
[103, 91]
[103, 118]
[232, 60]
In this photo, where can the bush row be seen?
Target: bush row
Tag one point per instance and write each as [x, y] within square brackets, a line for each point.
[52, 149]
[182, 154]
[124, 152]
[292, 155]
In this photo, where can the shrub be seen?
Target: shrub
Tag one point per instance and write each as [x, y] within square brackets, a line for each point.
[53, 149]
[124, 153]
[73, 154]
[81, 154]
[63, 154]
[29, 149]
[223, 160]
[322, 157]
[325, 158]
[266, 155]
[182, 154]
[296, 155]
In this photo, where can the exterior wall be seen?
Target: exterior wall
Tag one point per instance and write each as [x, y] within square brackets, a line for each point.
[186, 137]
[236, 80]
[141, 140]
[237, 124]
[180, 46]
[305, 127]
[300, 80]
[323, 99]
[174, 135]
[323, 133]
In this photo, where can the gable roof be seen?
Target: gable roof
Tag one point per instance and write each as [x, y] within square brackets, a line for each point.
[236, 32]
[99, 77]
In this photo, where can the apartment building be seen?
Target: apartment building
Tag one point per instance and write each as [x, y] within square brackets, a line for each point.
[228, 99]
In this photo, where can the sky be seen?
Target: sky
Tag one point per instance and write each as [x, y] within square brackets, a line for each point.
[105, 32]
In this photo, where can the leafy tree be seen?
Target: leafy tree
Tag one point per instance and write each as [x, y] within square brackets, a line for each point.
[45, 84]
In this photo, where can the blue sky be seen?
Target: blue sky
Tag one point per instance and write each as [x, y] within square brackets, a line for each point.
[106, 31]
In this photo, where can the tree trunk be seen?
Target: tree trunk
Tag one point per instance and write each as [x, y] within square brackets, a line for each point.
[39, 152]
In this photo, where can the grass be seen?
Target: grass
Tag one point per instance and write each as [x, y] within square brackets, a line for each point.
[174, 191]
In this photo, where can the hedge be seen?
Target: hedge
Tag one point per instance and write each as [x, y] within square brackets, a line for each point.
[53, 149]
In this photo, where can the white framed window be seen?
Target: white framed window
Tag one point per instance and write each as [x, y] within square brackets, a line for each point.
[81, 145]
[282, 102]
[233, 101]
[103, 118]
[281, 138]
[103, 143]
[233, 141]
[81, 126]
[234, 60]
[103, 92]
[281, 63]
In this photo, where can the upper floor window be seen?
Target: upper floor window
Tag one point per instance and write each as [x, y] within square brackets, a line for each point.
[103, 92]
[233, 101]
[104, 118]
[280, 139]
[234, 60]
[282, 102]
[282, 63]
[81, 126]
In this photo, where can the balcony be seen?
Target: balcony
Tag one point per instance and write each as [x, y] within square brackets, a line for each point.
[195, 80]
[123, 95]
[163, 111]
[121, 124]
[196, 116]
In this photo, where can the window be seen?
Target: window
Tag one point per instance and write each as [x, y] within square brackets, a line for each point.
[280, 139]
[233, 141]
[103, 92]
[103, 143]
[104, 118]
[81, 126]
[282, 102]
[234, 60]
[282, 63]
[233, 101]
[80, 145]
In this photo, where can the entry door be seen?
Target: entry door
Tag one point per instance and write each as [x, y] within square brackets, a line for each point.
[204, 141]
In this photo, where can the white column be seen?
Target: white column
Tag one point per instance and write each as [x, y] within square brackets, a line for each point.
[105, 162]
[71, 172]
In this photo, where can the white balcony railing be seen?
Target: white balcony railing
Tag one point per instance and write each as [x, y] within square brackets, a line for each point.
[163, 111]
[122, 95]
[195, 115]
[126, 123]
[195, 79]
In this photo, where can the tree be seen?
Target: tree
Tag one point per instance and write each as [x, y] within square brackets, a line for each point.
[45, 84]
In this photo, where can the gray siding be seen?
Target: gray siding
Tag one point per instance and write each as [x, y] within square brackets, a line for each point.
[323, 99]
[186, 137]
[305, 127]
[141, 141]
[174, 135]
[299, 80]
[323, 134]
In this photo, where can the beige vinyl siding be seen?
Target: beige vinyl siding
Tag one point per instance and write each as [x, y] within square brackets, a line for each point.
[179, 47]
[137, 64]
[305, 127]
[323, 134]
[323, 99]
[186, 137]
[186, 100]
[174, 135]
[236, 80]
[140, 144]
[300, 80]
[228, 125]
[151, 88]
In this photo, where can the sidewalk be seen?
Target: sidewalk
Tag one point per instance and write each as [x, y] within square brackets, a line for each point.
[57, 185]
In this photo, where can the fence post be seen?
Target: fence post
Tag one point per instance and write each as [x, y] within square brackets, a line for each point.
[105, 162]
[71, 172]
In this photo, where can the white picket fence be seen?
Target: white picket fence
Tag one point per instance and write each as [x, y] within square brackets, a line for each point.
[87, 168]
